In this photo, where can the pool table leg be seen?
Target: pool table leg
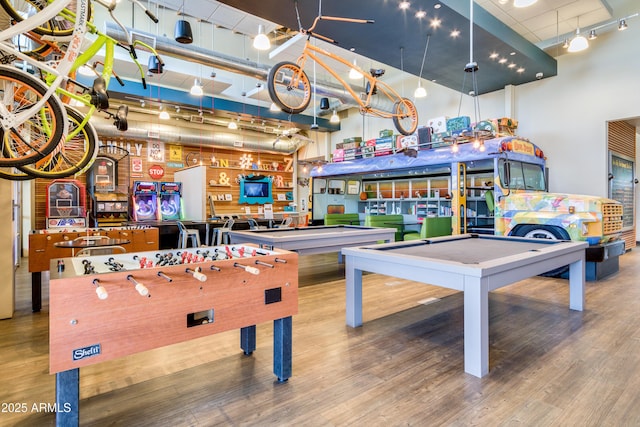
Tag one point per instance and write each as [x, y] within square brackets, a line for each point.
[576, 285]
[354, 295]
[476, 326]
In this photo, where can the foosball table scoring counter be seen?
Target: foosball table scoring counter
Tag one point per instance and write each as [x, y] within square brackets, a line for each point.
[110, 306]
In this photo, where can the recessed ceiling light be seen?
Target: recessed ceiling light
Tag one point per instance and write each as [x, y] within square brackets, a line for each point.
[520, 70]
[502, 60]
[421, 14]
[512, 53]
[404, 5]
[493, 55]
[455, 33]
[511, 65]
[437, 6]
[435, 23]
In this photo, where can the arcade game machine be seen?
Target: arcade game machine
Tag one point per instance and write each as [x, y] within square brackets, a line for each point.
[108, 181]
[145, 201]
[66, 204]
[171, 200]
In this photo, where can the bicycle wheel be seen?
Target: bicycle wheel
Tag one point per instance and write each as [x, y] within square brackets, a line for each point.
[19, 10]
[36, 137]
[72, 156]
[289, 87]
[405, 116]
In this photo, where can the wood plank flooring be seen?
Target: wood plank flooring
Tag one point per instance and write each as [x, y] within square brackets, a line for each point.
[549, 366]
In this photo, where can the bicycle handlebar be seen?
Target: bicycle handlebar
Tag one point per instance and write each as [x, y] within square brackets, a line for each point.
[310, 32]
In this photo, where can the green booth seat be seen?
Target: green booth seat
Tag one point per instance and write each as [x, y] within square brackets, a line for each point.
[432, 227]
[342, 219]
[386, 221]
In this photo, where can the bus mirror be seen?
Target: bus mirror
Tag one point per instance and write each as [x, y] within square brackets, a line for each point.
[507, 174]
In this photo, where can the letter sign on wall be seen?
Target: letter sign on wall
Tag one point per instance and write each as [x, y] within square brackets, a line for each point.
[156, 172]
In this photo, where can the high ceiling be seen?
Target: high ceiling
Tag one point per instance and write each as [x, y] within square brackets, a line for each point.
[529, 39]
[398, 37]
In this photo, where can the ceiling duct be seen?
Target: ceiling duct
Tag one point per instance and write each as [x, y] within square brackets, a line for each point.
[196, 54]
[251, 141]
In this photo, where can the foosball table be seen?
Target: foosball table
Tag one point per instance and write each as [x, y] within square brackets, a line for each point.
[110, 306]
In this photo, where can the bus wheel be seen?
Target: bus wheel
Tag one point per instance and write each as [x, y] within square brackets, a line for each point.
[544, 232]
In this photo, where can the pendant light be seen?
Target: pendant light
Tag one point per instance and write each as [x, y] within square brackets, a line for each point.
[421, 92]
[182, 32]
[579, 42]
[154, 66]
[261, 42]
[196, 89]
[354, 74]
[334, 117]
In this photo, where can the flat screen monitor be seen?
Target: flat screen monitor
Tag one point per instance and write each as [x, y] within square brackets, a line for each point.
[256, 191]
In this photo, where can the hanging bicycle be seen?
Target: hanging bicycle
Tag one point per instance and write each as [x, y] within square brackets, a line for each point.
[22, 154]
[290, 89]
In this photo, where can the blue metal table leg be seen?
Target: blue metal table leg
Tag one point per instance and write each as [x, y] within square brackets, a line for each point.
[248, 339]
[68, 398]
[282, 349]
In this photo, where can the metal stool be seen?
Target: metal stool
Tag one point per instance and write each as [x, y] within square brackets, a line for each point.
[186, 234]
[222, 233]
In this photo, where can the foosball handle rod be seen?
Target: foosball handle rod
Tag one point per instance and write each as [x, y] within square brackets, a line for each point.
[100, 290]
[247, 268]
[142, 289]
[197, 274]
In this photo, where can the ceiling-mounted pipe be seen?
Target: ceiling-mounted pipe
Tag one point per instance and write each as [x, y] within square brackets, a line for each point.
[197, 54]
[146, 131]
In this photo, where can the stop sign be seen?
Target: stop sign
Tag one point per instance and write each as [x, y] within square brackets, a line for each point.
[156, 172]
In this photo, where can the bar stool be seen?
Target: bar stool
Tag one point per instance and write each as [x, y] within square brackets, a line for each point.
[222, 233]
[186, 234]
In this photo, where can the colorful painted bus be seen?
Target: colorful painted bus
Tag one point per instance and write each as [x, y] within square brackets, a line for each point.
[497, 187]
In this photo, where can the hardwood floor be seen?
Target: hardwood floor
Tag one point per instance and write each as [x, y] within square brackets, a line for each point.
[549, 366]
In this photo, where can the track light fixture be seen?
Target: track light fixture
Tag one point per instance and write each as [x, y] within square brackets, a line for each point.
[622, 25]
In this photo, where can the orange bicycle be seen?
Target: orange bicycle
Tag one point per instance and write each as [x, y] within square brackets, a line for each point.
[290, 89]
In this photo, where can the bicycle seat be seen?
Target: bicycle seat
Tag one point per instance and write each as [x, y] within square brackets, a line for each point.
[376, 72]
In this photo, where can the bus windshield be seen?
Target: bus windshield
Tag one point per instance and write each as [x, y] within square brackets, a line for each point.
[521, 176]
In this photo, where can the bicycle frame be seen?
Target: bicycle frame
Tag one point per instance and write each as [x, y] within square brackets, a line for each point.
[63, 68]
[315, 53]
[73, 58]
